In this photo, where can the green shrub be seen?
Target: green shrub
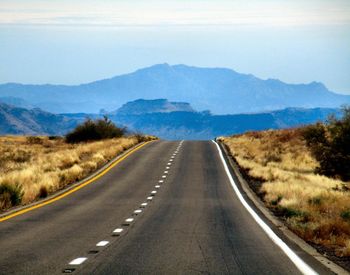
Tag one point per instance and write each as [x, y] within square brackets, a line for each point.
[276, 201]
[10, 195]
[289, 212]
[43, 192]
[92, 130]
[330, 145]
[345, 215]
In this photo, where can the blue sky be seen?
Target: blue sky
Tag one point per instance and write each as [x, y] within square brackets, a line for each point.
[74, 41]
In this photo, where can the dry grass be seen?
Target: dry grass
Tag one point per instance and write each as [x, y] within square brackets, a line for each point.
[315, 207]
[40, 166]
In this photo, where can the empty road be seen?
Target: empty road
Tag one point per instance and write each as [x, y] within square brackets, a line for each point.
[193, 223]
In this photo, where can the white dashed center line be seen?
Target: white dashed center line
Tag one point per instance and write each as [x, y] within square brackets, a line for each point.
[128, 221]
[118, 230]
[102, 243]
[78, 261]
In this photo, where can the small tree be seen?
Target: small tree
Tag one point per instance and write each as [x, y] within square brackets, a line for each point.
[91, 130]
[330, 145]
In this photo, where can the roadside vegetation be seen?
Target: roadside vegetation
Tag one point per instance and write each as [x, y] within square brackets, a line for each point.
[303, 176]
[91, 130]
[33, 167]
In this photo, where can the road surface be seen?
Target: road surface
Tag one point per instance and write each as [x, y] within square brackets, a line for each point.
[193, 224]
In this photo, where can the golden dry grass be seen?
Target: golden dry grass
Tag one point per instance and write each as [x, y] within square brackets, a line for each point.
[315, 207]
[41, 166]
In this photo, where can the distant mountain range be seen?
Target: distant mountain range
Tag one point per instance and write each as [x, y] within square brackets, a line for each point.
[158, 117]
[223, 91]
[168, 120]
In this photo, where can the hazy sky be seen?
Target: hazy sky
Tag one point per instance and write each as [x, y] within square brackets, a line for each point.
[75, 41]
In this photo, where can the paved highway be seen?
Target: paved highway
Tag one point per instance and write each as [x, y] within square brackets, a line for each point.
[193, 223]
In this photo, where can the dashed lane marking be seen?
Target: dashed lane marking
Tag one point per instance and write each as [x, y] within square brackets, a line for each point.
[102, 243]
[118, 230]
[78, 261]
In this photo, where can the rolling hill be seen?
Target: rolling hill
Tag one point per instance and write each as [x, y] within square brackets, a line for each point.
[21, 121]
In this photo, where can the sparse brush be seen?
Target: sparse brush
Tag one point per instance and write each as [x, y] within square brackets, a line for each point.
[34, 140]
[10, 195]
[51, 164]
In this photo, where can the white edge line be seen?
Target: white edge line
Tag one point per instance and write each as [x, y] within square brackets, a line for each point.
[299, 263]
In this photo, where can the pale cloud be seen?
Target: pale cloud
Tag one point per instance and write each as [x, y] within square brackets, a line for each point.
[174, 13]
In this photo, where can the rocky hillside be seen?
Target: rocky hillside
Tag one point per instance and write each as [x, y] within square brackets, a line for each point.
[20, 121]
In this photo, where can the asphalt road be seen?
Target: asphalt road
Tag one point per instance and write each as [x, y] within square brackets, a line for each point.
[194, 223]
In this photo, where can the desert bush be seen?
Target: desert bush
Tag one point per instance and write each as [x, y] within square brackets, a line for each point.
[345, 215]
[34, 140]
[330, 145]
[54, 137]
[21, 156]
[92, 130]
[10, 195]
[43, 192]
[143, 138]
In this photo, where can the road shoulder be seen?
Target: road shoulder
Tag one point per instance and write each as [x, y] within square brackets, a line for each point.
[257, 203]
[16, 211]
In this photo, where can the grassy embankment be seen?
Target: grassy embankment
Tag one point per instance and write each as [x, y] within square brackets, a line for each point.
[315, 207]
[33, 167]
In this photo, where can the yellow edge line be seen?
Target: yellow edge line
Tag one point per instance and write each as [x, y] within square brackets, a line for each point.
[20, 212]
